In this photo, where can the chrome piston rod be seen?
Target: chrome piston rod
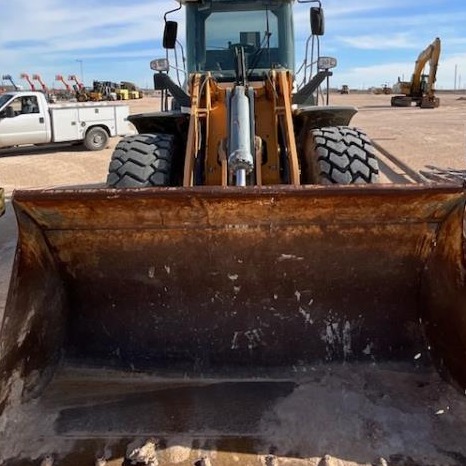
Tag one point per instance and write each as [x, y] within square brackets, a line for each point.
[240, 159]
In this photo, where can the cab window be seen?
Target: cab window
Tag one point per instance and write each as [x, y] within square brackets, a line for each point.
[29, 105]
[24, 105]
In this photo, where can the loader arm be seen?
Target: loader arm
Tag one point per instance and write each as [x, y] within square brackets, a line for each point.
[210, 131]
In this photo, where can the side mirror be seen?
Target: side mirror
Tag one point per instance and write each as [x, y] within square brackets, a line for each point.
[9, 112]
[169, 34]
[317, 21]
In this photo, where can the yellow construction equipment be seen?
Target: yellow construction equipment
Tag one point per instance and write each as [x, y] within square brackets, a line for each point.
[133, 91]
[122, 94]
[384, 89]
[421, 88]
[82, 94]
[243, 291]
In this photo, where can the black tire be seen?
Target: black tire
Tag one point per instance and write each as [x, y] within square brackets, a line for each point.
[339, 155]
[96, 139]
[143, 160]
[401, 101]
[425, 102]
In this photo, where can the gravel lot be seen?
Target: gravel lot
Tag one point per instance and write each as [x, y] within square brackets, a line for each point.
[418, 137]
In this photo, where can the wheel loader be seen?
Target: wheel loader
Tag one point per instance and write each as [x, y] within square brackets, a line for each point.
[244, 290]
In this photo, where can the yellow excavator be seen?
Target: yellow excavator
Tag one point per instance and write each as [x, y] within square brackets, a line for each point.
[421, 88]
[243, 291]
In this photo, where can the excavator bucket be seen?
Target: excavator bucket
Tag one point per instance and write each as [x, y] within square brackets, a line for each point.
[186, 319]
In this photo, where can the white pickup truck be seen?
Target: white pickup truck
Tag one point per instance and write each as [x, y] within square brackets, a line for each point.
[27, 118]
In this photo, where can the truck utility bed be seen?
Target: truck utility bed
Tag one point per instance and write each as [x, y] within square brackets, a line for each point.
[83, 115]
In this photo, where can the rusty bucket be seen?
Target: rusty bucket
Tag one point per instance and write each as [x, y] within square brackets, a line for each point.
[224, 280]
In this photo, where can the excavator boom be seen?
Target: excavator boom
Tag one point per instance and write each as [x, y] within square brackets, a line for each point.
[421, 88]
[429, 55]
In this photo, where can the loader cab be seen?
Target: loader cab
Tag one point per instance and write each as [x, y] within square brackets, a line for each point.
[263, 28]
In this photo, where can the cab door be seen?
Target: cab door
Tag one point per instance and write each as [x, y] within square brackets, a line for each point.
[24, 123]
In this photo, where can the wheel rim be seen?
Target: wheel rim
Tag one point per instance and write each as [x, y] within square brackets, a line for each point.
[98, 140]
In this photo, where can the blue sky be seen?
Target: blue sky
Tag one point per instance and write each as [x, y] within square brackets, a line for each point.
[375, 41]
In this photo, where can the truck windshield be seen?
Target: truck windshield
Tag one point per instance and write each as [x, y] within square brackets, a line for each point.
[4, 98]
[255, 31]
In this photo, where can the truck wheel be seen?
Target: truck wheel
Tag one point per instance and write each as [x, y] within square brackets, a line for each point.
[96, 139]
[143, 160]
[339, 155]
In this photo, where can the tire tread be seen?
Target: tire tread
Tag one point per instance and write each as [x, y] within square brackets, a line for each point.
[142, 160]
[344, 156]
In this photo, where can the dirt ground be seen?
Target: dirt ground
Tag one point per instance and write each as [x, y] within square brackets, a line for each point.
[417, 137]
[428, 425]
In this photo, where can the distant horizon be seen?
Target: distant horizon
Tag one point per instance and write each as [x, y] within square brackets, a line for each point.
[373, 43]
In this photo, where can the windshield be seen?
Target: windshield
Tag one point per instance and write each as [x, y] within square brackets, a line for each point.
[255, 31]
[264, 29]
[4, 98]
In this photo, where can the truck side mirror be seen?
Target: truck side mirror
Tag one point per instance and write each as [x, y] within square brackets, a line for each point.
[9, 112]
[317, 21]
[169, 34]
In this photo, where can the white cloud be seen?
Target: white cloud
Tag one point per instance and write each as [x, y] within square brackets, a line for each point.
[50, 35]
[116, 41]
[379, 41]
